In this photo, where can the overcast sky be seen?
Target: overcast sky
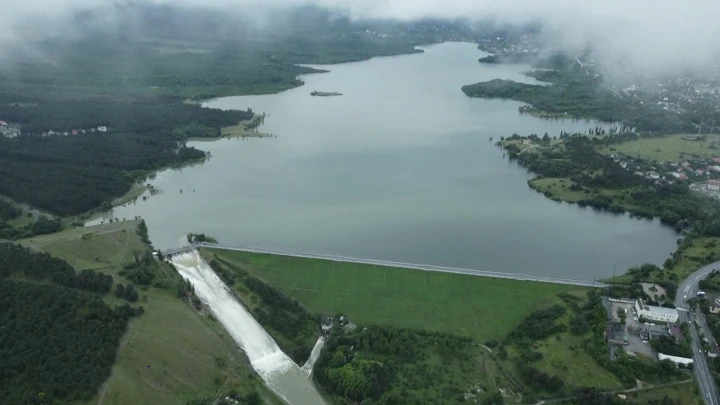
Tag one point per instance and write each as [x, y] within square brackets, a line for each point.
[647, 33]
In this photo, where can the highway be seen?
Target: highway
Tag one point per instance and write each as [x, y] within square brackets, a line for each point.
[688, 289]
[425, 267]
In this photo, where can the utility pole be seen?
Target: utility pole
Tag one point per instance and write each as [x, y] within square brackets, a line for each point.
[614, 268]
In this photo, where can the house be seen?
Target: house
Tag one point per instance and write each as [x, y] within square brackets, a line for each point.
[676, 333]
[616, 333]
[102, 128]
[74, 131]
[699, 172]
[3, 123]
[716, 159]
[713, 185]
[652, 313]
[653, 175]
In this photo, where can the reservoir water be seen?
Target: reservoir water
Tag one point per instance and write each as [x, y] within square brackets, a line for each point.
[401, 167]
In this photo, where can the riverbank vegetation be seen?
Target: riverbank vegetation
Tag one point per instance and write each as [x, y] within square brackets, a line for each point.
[573, 169]
[575, 91]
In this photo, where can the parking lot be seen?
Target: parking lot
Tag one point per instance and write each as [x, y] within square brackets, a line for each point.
[638, 334]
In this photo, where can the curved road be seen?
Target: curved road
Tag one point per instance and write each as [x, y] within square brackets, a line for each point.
[426, 267]
[688, 289]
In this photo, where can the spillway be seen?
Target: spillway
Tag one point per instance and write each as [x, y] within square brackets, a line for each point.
[278, 371]
[314, 355]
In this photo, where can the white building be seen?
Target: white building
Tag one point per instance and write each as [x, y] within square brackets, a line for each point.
[675, 359]
[661, 314]
[713, 185]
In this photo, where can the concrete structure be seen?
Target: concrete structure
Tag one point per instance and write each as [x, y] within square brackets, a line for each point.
[426, 267]
[713, 185]
[651, 313]
[616, 333]
[674, 359]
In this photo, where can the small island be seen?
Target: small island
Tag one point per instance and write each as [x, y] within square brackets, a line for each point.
[325, 93]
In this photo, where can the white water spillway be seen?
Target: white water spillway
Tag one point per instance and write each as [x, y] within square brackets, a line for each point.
[278, 371]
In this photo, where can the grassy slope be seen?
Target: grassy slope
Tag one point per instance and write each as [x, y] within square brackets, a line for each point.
[664, 149]
[483, 308]
[169, 353]
[690, 260]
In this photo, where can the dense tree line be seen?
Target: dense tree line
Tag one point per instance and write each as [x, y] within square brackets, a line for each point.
[18, 260]
[283, 315]
[539, 324]
[128, 293]
[143, 270]
[577, 94]
[666, 345]
[75, 173]
[141, 116]
[8, 211]
[41, 226]
[674, 204]
[387, 365]
[539, 380]
[201, 237]
[57, 345]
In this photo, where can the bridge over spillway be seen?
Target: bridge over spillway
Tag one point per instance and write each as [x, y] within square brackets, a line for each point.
[386, 263]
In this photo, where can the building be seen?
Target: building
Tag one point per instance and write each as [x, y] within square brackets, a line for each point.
[675, 359]
[660, 314]
[713, 185]
[616, 333]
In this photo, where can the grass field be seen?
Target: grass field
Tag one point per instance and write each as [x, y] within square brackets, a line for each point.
[170, 353]
[665, 149]
[479, 307]
[691, 259]
[559, 188]
[564, 356]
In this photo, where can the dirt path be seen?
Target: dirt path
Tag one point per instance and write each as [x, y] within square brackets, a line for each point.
[123, 341]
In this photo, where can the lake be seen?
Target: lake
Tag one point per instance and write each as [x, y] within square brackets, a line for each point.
[401, 167]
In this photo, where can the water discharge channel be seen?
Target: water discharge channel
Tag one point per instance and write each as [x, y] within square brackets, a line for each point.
[279, 372]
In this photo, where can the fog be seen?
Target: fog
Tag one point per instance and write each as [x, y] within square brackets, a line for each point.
[643, 34]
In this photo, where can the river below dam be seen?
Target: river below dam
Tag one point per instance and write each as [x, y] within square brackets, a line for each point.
[279, 372]
[401, 167]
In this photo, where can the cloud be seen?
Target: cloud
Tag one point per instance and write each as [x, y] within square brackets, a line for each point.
[646, 34]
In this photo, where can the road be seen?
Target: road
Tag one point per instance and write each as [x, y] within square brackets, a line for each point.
[687, 290]
[426, 267]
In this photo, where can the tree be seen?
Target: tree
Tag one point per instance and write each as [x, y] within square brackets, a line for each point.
[131, 294]
[120, 291]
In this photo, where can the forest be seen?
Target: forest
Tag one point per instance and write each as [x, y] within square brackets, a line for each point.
[58, 341]
[69, 175]
[16, 260]
[573, 93]
[387, 365]
[591, 171]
